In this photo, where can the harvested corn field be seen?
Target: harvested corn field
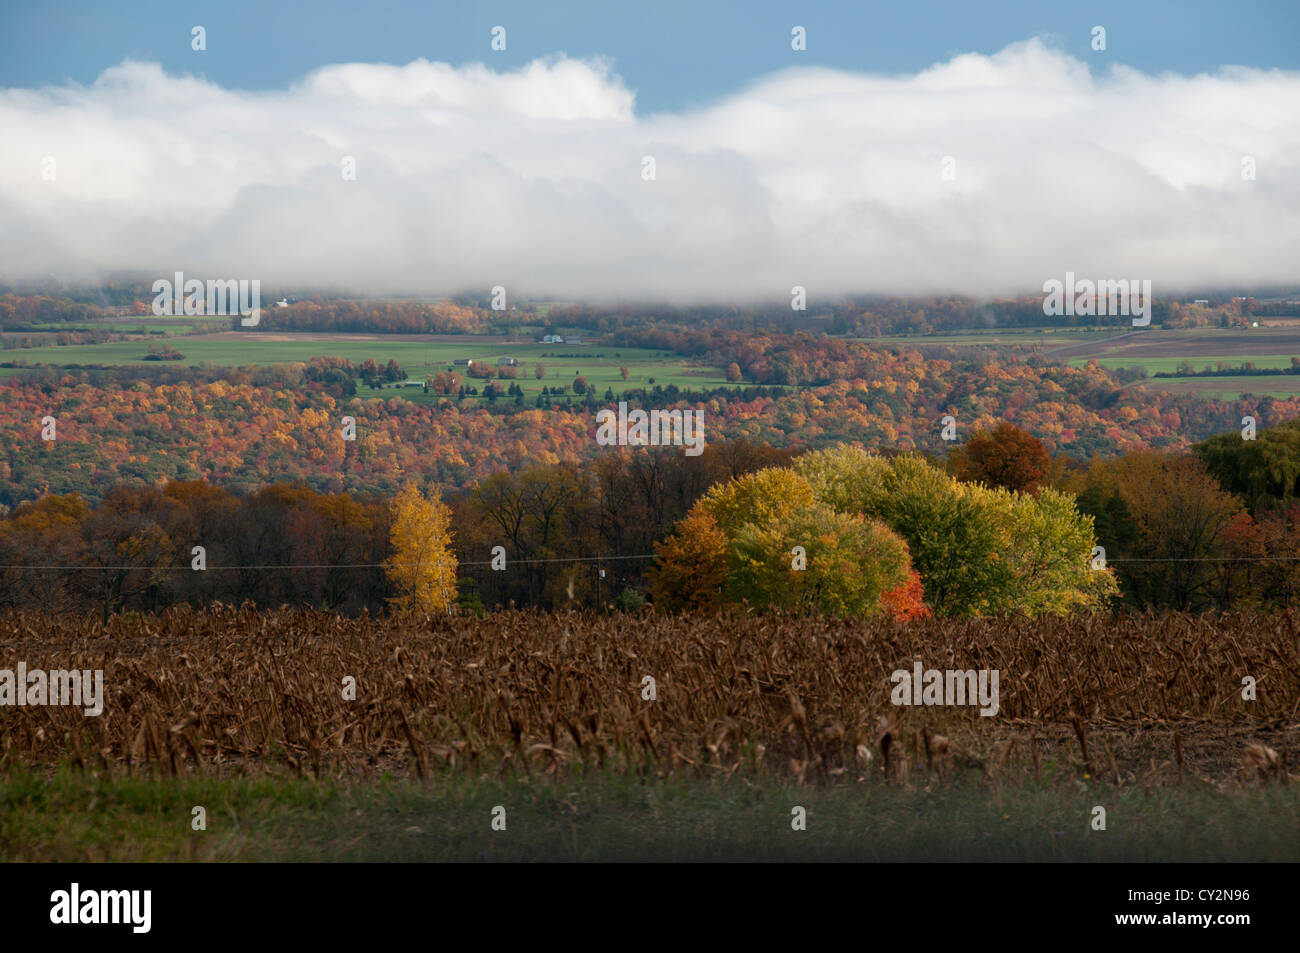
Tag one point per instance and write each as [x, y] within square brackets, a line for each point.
[237, 691]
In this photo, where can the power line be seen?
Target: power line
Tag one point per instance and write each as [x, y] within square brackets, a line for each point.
[564, 559]
[569, 559]
[488, 562]
[1206, 559]
[208, 568]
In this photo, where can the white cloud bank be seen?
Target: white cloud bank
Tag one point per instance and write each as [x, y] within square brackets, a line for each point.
[468, 178]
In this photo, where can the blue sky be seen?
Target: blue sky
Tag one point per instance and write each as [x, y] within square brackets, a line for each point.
[673, 54]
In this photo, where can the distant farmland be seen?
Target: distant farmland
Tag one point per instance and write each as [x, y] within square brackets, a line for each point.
[1164, 350]
[420, 355]
[1156, 351]
[1228, 387]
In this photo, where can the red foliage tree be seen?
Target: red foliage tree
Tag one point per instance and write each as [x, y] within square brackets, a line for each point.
[1005, 456]
[905, 602]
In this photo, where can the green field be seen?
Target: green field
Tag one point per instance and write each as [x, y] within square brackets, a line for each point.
[121, 326]
[419, 357]
[1013, 337]
[72, 816]
[1227, 387]
[1156, 350]
[1168, 365]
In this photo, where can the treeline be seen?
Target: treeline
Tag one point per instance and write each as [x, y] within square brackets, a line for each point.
[14, 342]
[288, 544]
[136, 549]
[854, 316]
[121, 376]
[867, 316]
[19, 312]
[385, 317]
[1001, 525]
[1247, 369]
[336, 376]
[1218, 527]
[24, 312]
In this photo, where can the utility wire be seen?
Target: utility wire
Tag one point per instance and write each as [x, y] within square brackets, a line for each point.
[576, 559]
[488, 562]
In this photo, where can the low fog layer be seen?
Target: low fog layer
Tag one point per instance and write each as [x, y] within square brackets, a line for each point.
[468, 178]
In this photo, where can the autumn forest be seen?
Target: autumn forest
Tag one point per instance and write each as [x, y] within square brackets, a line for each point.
[1067, 489]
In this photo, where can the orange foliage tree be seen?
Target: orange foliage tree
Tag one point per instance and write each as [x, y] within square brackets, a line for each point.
[1005, 456]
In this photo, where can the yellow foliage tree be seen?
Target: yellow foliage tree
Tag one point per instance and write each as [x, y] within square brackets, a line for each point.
[422, 568]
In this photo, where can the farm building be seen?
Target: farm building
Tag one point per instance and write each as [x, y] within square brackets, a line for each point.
[463, 362]
[507, 361]
[553, 339]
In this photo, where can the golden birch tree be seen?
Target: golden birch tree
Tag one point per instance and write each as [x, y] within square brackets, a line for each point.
[422, 569]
